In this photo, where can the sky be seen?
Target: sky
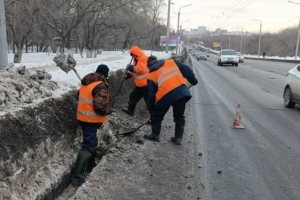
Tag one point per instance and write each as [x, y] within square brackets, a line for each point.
[274, 15]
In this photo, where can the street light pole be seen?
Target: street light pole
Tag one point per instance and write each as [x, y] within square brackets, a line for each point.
[259, 37]
[241, 39]
[178, 26]
[296, 54]
[221, 39]
[3, 39]
[168, 26]
[182, 23]
[181, 35]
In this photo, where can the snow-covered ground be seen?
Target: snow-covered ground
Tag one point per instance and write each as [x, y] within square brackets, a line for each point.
[113, 59]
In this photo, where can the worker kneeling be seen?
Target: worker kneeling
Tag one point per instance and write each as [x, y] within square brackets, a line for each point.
[167, 87]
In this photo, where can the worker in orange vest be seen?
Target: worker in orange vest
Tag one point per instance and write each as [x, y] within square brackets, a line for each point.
[93, 98]
[139, 71]
[166, 88]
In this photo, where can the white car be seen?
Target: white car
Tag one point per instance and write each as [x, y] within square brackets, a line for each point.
[291, 94]
[228, 56]
[241, 57]
[207, 53]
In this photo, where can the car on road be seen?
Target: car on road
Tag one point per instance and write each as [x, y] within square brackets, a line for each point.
[194, 53]
[228, 56]
[190, 50]
[207, 53]
[291, 94]
[241, 57]
[201, 56]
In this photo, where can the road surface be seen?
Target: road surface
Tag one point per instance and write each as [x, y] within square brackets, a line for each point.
[261, 161]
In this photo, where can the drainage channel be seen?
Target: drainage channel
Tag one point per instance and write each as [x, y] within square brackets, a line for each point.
[57, 189]
[62, 189]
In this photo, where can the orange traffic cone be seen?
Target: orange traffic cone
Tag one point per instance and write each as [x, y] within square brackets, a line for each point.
[237, 118]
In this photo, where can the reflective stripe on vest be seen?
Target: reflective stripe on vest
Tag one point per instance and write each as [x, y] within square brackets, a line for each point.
[85, 109]
[140, 80]
[141, 76]
[166, 78]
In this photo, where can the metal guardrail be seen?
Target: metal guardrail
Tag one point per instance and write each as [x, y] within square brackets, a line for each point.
[274, 60]
[269, 59]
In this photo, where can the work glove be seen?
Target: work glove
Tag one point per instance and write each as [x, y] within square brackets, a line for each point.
[127, 67]
[130, 68]
[126, 76]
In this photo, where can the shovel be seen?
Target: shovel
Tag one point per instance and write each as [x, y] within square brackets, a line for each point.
[128, 131]
[66, 63]
[119, 89]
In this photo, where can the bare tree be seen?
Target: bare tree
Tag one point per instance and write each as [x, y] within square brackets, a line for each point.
[63, 17]
[153, 10]
[99, 23]
[21, 17]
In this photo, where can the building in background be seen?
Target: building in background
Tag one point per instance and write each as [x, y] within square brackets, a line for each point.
[201, 30]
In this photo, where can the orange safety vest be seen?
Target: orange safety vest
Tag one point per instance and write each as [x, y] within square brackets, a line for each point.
[85, 110]
[166, 78]
[140, 80]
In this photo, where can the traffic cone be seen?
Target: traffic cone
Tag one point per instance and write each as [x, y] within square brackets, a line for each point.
[237, 118]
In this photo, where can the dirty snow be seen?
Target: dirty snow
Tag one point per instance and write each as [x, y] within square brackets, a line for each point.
[37, 77]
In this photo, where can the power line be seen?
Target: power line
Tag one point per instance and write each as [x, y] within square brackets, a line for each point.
[285, 22]
[233, 7]
[229, 8]
[236, 12]
[238, 8]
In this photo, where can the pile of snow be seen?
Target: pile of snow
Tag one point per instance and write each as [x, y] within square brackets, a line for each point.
[19, 86]
[38, 78]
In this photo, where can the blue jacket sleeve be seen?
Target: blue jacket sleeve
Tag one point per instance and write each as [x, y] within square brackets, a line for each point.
[131, 68]
[187, 72]
[152, 89]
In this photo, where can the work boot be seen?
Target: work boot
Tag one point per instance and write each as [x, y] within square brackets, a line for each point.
[91, 164]
[154, 136]
[179, 129]
[130, 109]
[82, 160]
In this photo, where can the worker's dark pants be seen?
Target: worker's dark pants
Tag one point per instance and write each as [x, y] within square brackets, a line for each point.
[137, 93]
[178, 112]
[90, 140]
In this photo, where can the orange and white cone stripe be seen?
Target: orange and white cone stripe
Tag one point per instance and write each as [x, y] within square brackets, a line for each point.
[237, 119]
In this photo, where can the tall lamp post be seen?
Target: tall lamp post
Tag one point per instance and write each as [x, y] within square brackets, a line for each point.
[296, 54]
[221, 38]
[258, 53]
[182, 23]
[168, 27]
[3, 39]
[241, 39]
[178, 26]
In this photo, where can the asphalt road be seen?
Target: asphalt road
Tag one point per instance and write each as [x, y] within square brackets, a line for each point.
[261, 161]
